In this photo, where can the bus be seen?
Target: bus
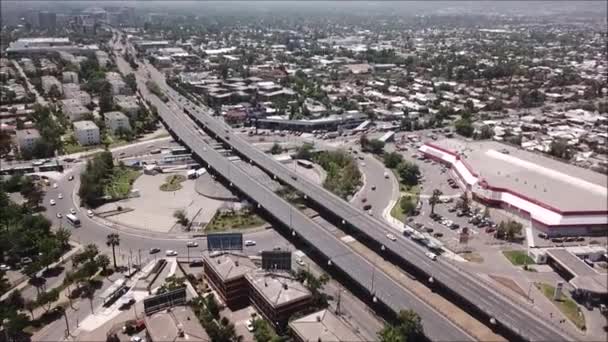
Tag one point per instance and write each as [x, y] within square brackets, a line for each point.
[305, 163]
[73, 220]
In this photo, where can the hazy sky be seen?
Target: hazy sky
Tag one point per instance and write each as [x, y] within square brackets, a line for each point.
[392, 7]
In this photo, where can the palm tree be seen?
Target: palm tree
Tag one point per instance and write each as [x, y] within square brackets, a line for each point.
[103, 261]
[113, 240]
[434, 199]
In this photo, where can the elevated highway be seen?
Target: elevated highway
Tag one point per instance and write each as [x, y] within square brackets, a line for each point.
[468, 288]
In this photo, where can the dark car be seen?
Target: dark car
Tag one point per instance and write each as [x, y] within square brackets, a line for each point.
[438, 235]
[154, 250]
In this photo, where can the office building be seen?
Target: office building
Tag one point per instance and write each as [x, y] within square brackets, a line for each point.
[225, 272]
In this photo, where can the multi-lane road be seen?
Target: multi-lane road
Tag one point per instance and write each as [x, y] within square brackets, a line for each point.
[503, 311]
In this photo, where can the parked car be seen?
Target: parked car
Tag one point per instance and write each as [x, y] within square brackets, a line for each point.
[438, 235]
[249, 325]
[60, 196]
[71, 178]
[249, 243]
[72, 211]
[59, 215]
[192, 244]
[52, 202]
[170, 253]
[154, 250]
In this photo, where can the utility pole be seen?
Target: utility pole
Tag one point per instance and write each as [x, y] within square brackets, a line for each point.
[139, 258]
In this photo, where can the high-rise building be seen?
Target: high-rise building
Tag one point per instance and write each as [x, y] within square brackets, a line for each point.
[47, 20]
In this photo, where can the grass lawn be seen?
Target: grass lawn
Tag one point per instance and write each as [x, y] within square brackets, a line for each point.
[173, 183]
[397, 212]
[121, 182]
[518, 258]
[238, 220]
[566, 305]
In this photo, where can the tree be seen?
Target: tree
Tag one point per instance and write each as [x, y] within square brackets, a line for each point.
[32, 193]
[30, 305]
[508, 230]
[434, 200]
[89, 293]
[48, 298]
[212, 306]
[276, 149]
[106, 101]
[15, 300]
[408, 328]
[374, 146]
[392, 159]
[180, 215]
[559, 148]
[63, 237]
[5, 142]
[103, 261]
[408, 172]
[54, 92]
[464, 127]
[485, 133]
[407, 205]
[304, 152]
[463, 203]
[131, 82]
[113, 240]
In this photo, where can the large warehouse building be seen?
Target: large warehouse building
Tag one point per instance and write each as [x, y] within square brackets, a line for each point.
[558, 198]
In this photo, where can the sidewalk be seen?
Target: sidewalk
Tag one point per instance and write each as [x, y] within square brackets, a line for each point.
[63, 259]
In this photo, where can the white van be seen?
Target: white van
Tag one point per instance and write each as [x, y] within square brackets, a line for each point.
[431, 256]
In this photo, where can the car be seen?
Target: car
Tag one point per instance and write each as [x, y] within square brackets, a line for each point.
[431, 256]
[90, 213]
[4, 267]
[26, 261]
[249, 325]
[170, 252]
[438, 235]
[367, 207]
[52, 202]
[300, 262]
[154, 250]
[580, 239]
[72, 211]
[55, 186]
[370, 212]
[373, 187]
[192, 244]
[71, 177]
[428, 229]
[363, 164]
[59, 215]
[557, 240]
[391, 237]
[60, 196]
[454, 226]
[249, 243]
[196, 262]
[136, 339]
[570, 239]
[452, 209]
[363, 200]
[490, 229]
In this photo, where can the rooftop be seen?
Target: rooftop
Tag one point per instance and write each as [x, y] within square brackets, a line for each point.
[547, 180]
[166, 326]
[228, 265]
[84, 125]
[29, 133]
[323, 326]
[114, 116]
[278, 289]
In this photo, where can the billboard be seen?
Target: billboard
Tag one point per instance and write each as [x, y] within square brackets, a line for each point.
[225, 242]
[160, 302]
[276, 260]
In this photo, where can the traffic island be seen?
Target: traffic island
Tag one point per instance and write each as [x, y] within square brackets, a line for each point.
[173, 183]
[566, 305]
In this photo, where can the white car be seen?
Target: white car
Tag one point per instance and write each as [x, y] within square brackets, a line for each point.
[52, 202]
[192, 244]
[170, 253]
[89, 213]
[249, 325]
[55, 186]
[391, 237]
[59, 215]
[72, 211]
[4, 267]
[249, 243]
[431, 256]
[60, 196]
[300, 262]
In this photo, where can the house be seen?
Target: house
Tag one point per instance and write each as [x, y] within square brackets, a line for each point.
[27, 138]
[86, 132]
[116, 121]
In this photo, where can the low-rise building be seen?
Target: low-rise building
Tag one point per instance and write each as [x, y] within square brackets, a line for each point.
[178, 325]
[74, 109]
[225, 272]
[86, 132]
[277, 296]
[323, 326]
[116, 121]
[48, 82]
[70, 77]
[127, 104]
[118, 85]
[27, 138]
